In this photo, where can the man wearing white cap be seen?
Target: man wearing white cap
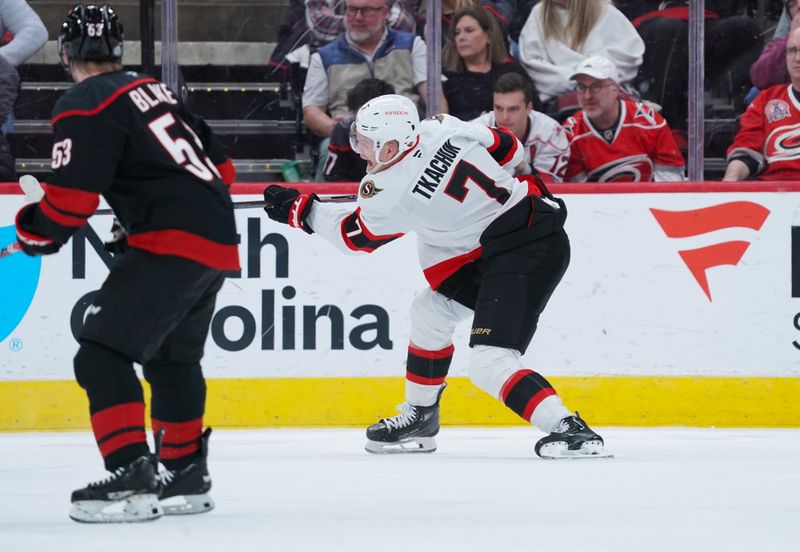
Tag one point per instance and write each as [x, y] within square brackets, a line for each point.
[615, 140]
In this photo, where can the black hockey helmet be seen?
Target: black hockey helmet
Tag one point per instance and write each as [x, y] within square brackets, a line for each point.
[92, 33]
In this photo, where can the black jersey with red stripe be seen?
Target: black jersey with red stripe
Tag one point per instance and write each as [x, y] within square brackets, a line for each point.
[126, 137]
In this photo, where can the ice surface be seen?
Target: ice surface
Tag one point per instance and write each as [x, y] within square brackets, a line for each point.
[317, 490]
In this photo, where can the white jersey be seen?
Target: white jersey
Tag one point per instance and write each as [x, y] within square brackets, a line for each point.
[447, 189]
[546, 144]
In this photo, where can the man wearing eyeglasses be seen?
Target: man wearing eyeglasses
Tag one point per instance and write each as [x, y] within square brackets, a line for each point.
[367, 49]
[767, 146]
[616, 140]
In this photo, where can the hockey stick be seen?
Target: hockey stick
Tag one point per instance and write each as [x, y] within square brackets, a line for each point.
[15, 248]
[10, 249]
[31, 188]
[260, 203]
[33, 192]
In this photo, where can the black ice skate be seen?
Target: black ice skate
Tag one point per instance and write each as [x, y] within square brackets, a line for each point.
[129, 494]
[186, 491]
[572, 439]
[412, 430]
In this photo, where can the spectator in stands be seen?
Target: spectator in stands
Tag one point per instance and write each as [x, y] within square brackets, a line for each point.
[767, 146]
[367, 49]
[560, 34]
[311, 24]
[546, 144]
[504, 12]
[731, 47]
[326, 19]
[770, 68]
[29, 35]
[615, 140]
[472, 59]
[343, 164]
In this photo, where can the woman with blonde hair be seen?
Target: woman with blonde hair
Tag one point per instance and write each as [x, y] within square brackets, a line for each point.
[473, 57]
[559, 34]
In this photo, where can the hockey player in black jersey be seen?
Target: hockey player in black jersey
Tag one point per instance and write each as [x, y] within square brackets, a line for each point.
[492, 247]
[125, 136]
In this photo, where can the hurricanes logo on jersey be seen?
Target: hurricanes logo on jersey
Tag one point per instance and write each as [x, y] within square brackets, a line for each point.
[783, 144]
[635, 168]
[368, 189]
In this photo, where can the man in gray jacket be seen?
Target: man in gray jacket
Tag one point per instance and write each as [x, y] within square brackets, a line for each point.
[29, 35]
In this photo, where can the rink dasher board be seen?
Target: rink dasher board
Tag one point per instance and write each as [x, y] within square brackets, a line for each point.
[633, 312]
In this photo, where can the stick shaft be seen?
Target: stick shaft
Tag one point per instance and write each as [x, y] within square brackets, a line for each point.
[15, 248]
[260, 203]
[10, 250]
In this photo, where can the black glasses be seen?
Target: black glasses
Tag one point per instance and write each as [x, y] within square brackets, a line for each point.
[792, 51]
[593, 88]
[365, 11]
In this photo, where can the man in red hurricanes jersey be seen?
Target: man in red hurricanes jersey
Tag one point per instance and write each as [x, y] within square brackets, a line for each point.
[767, 145]
[616, 140]
[126, 137]
[491, 246]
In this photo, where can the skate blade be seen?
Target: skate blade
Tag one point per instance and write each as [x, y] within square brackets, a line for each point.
[414, 445]
[185, 505]
[559, 451]
[136, 508]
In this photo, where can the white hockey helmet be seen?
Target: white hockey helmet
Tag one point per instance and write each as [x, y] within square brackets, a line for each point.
[386, 118]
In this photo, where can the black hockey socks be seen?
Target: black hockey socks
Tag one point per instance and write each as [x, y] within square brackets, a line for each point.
[428, 367]
[181, 443]
[116, 403]
[177, 406]
[524, 391]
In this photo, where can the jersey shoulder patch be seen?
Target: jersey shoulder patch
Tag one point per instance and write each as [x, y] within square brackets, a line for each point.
[643, 114]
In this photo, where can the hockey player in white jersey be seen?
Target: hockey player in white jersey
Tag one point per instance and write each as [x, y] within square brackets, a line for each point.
[491, 246]
[545, 144]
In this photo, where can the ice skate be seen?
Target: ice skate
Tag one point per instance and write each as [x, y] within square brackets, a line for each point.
[572, 439]
[185, 491]
[129, 494]
[413, 430]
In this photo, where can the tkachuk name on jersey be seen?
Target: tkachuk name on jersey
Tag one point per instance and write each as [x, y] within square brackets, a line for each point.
[437, 167]
[150, 95]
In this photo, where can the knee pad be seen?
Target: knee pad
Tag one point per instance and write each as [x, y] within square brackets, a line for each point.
[490, 367]
[434, 317]
[95, 365]
[107, 376]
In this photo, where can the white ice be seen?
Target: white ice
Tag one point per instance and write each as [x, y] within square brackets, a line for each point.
[317, 490]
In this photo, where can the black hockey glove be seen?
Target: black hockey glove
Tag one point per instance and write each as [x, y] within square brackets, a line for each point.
[118, 243]
[288, 206]
[30, 241]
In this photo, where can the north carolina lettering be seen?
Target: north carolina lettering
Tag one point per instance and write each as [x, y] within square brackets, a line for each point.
[437, 167]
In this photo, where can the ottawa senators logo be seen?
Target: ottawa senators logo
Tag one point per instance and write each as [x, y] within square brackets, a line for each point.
[636, 168]
[368, 189]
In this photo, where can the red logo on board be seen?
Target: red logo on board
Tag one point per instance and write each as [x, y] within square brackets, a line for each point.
[685, 224]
